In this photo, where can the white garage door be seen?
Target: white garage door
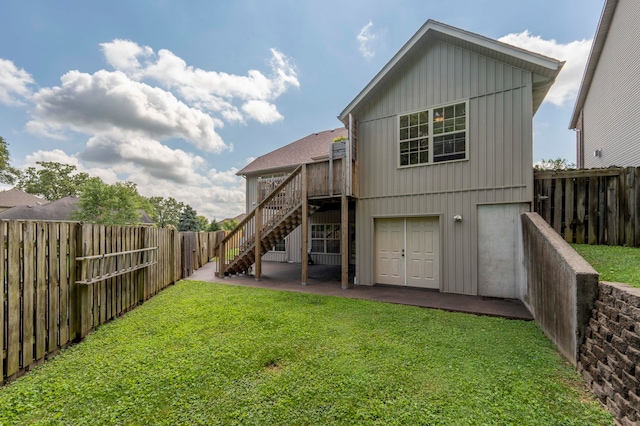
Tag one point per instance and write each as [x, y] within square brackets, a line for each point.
[407, 252]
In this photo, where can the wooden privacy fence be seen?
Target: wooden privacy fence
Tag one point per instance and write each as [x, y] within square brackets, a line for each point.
[63, 279]
[592, 206]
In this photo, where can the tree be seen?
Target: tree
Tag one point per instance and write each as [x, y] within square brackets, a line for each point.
[213, 226]
[167, 211]
[8, 174]
[229, 225]
[52, 180]
[107, 204]
[557, 164]
[188, 220]
[203, 223]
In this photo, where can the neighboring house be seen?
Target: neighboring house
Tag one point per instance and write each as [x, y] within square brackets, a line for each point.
[59, 210]
[15, 197]
[606, 116]
[439, 168]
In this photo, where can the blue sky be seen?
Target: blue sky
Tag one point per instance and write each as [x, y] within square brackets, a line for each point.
[177, 96]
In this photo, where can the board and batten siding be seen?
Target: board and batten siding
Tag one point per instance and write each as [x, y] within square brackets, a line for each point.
[498, 169]
[610, 113]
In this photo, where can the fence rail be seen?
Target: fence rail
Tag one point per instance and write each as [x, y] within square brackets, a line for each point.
[593, 206]
[47, 300]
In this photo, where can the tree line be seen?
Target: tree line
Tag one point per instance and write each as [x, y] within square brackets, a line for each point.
[99, 202]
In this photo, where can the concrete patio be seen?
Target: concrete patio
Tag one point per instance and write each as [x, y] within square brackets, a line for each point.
[325, 279]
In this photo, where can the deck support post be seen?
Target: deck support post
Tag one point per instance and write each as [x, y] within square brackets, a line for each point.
[305, 228]
[344, 240]
[258, 244]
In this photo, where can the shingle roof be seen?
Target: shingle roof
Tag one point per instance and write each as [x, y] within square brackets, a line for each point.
[299, 152]
[15, 197]
[58, 210]
[55, 210]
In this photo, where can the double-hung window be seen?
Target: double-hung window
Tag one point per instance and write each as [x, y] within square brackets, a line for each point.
[433, 135]
[325, 238]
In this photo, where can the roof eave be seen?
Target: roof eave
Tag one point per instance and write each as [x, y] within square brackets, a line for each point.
[594, 56]
[464, 35]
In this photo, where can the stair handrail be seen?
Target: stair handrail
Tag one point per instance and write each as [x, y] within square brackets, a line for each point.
[248, 225]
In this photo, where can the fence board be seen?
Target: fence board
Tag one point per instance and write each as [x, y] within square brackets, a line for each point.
[28, 293]
[64, 284]
[3, 298]
[592, 212]
[595, 206]
[13, 299]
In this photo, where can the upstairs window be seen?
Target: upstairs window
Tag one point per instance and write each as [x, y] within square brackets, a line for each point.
[433, 135]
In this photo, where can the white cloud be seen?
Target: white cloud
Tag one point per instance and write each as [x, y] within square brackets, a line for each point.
[574, 53]
[14, 83]
[262, 111]
[208, 90]
[365, 38]
[105, 101]
[129, 152]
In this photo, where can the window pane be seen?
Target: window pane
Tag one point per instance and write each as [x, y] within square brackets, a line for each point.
[438, 128]
[424, 117]
[460, 123]
[404, 159]
[424, 130]
[413, 158]
[438, 115]
[404, 121]
[424, 157]
[460, 110]
[404, 134]
[317, 246]
[413, 132]
[424, 144]
[413, 121]
[413, 145]
[448, 112]
[333, 246]
[404, 146]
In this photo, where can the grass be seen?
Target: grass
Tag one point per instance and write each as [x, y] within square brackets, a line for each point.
[613, 263]
[201, 353]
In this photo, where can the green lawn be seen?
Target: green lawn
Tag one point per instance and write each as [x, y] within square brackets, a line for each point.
[613, 263]
[201, 353]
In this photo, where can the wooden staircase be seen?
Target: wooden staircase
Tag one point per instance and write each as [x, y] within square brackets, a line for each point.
[272, 220]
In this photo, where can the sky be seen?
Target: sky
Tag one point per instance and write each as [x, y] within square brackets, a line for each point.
[177, 96]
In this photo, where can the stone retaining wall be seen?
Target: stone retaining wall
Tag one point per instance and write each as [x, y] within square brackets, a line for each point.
[609, 358]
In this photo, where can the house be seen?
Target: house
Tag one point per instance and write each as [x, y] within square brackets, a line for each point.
[270, 169]
[606, 117]
[433, 177]
[15, 197]
[58, 210]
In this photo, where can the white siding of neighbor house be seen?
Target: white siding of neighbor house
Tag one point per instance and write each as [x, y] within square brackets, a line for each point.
[499, 168]
[610, 113]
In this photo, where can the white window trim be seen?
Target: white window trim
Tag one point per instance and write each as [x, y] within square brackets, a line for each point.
[431, 136]
[324, 239]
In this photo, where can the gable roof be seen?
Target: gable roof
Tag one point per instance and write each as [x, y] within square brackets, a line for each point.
[15, 197]
[545, 69]
[299, 152]
[594, 56]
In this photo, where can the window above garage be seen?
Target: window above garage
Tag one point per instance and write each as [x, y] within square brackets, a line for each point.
[433, 135]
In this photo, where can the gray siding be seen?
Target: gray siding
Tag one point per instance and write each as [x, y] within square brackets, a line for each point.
[499, 168]
[611, 113]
